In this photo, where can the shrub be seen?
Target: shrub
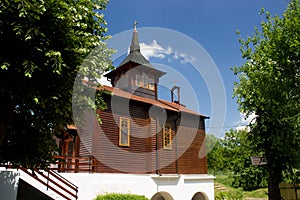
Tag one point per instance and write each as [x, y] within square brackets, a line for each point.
[116, 196]
[229, 195]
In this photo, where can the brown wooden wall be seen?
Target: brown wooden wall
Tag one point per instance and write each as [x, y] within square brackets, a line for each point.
[145, 153]
[193, 160]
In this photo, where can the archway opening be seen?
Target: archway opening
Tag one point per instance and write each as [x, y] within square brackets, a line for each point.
[162, 196]
[200, 196]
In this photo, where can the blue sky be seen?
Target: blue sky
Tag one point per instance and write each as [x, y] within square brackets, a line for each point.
[210, 23]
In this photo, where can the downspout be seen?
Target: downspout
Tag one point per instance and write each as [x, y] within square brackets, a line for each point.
[156, 146]
[176, 141]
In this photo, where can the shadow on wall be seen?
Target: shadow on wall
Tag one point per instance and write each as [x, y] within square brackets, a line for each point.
[28, 192]
[9, 184]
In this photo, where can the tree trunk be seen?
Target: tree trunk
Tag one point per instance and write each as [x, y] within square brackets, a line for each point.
[273, 185]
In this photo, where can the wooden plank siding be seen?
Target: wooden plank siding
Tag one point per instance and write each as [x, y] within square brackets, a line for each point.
[145, 153]
[192, 161]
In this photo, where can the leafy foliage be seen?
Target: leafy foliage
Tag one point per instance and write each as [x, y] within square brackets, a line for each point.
[232, 155]
[216, 161]
[120, 197]
[239, 151]
[225, 192]
[42, 47]
[229, 195]
[269, 86]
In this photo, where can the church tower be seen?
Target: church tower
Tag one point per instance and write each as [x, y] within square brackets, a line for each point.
[135, 74]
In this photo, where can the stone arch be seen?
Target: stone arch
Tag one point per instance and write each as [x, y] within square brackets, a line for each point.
[162, 196]
[200, 196]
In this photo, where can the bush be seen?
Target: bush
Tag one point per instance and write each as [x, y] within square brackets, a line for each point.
[229, 195]
[115, 196]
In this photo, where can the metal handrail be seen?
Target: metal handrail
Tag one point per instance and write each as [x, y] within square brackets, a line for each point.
[48, 179]
[63, 179]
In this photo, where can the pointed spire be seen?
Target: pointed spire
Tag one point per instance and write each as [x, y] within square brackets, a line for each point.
[135, 46]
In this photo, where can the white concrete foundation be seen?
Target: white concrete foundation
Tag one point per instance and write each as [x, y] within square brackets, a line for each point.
[180, 187]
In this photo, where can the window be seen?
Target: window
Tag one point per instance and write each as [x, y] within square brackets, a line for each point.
[151, 84]
[145, 82]
[167, 137]
[124, 133]
[139, 80]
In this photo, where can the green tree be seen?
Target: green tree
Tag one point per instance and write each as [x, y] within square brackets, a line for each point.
[233, 154]
[215, 158]
[239, 151]
[42, 47]
[269, 87]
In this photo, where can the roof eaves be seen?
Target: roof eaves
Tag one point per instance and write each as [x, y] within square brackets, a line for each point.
[160, 103]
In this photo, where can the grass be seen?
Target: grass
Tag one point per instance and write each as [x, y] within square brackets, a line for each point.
[225, 181]
[260, 193]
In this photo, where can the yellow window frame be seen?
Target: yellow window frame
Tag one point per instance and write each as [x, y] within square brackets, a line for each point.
[122, 132]
[167, 137]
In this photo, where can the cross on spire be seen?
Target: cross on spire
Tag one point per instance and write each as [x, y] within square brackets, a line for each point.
[135, 46]
[134, 25]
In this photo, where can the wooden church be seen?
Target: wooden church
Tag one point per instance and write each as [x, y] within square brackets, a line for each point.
[140, 134]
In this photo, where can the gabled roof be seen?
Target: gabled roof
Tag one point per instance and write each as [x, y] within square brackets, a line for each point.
[172, 106]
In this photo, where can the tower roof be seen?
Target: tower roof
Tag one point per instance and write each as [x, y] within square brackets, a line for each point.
[137, 57]
[135, 53]
[134, 56]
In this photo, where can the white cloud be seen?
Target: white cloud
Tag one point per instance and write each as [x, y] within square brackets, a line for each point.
[243, 127]
[157, 51]
[153, 50]
[103, 80]
[186, 58]
[247, 120]
[243, 123]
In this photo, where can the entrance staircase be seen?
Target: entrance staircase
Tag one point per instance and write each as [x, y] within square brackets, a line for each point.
[50, 183]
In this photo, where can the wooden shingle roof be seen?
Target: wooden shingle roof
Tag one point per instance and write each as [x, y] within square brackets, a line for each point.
[136, 57]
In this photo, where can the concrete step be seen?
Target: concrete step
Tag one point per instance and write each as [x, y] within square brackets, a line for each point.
[220, 187]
